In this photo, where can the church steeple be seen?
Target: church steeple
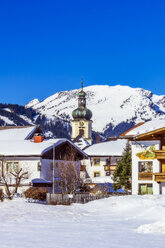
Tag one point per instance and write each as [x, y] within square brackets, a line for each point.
[82, 112]
[81, 97]
[81, 123]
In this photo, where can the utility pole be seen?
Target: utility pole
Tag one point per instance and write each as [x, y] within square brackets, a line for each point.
[53, 166]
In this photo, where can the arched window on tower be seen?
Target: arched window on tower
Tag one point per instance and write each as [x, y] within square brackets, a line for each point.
[81, 132]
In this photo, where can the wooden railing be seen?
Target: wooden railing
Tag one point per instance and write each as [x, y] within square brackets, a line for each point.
[145, 176]
[159, 177]
[109, 167]
[160, 154]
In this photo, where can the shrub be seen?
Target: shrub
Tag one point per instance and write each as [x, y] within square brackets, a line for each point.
[36, 193]
[84, 188]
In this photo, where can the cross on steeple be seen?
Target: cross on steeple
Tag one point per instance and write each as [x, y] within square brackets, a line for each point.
[82, 83]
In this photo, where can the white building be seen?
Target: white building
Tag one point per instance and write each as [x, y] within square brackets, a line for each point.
[148, 157]
[102, 160]
[26, 149]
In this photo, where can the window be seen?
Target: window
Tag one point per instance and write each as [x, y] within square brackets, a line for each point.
[145, 189]
[107, 161]
[114, 160]
[96, 161]
[96, 174]
[108, 173]
[39, 166]
[145, 166]
[12, 166]
[81, 132]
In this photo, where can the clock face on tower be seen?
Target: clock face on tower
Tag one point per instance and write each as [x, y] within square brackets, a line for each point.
[81, 123]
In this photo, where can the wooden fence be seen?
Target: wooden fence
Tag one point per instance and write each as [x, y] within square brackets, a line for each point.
[60, 199]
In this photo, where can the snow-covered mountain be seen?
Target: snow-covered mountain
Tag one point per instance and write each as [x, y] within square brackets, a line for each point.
[16, 115]
[114, 108]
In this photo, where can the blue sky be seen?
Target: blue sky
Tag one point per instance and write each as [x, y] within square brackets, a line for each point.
[47, 46]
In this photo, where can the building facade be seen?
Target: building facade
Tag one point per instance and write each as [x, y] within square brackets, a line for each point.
[24, 150]
[102, 160]
[148, 157]
[144, 167]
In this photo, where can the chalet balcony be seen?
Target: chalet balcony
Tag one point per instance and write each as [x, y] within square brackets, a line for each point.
[145, 176]
[160, 154]
[113, 167]
[159, 177]
[109, 167]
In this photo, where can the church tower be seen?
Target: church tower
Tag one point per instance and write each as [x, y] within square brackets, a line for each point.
[82, 123]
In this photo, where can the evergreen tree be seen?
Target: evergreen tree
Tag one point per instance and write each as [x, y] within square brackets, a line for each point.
[122, 174]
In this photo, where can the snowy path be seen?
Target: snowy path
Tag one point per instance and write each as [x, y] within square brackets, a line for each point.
[108, 223]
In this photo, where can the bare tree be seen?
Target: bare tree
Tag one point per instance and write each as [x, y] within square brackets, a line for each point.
[69, 176]
[12, 180]
[68, 172]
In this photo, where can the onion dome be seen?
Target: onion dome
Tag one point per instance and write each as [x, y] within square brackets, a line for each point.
[81, 93]
[82, 113]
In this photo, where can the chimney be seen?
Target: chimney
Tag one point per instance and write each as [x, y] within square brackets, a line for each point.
[38, 138]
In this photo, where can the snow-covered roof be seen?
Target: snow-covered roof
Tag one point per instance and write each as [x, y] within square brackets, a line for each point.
[147, 127]
[29, 148]
[25, 147]
[16, 133]
[41, 180]
[109, 148]
[82, 143]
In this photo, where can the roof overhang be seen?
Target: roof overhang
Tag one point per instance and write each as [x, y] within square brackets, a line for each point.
[36, 128]
[152, 135]
[30, 149]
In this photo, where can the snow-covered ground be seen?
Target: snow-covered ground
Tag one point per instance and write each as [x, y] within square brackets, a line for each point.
[124, 221]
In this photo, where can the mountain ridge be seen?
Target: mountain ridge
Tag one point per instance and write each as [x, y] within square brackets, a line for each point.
[112, 106]
[115, 110]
